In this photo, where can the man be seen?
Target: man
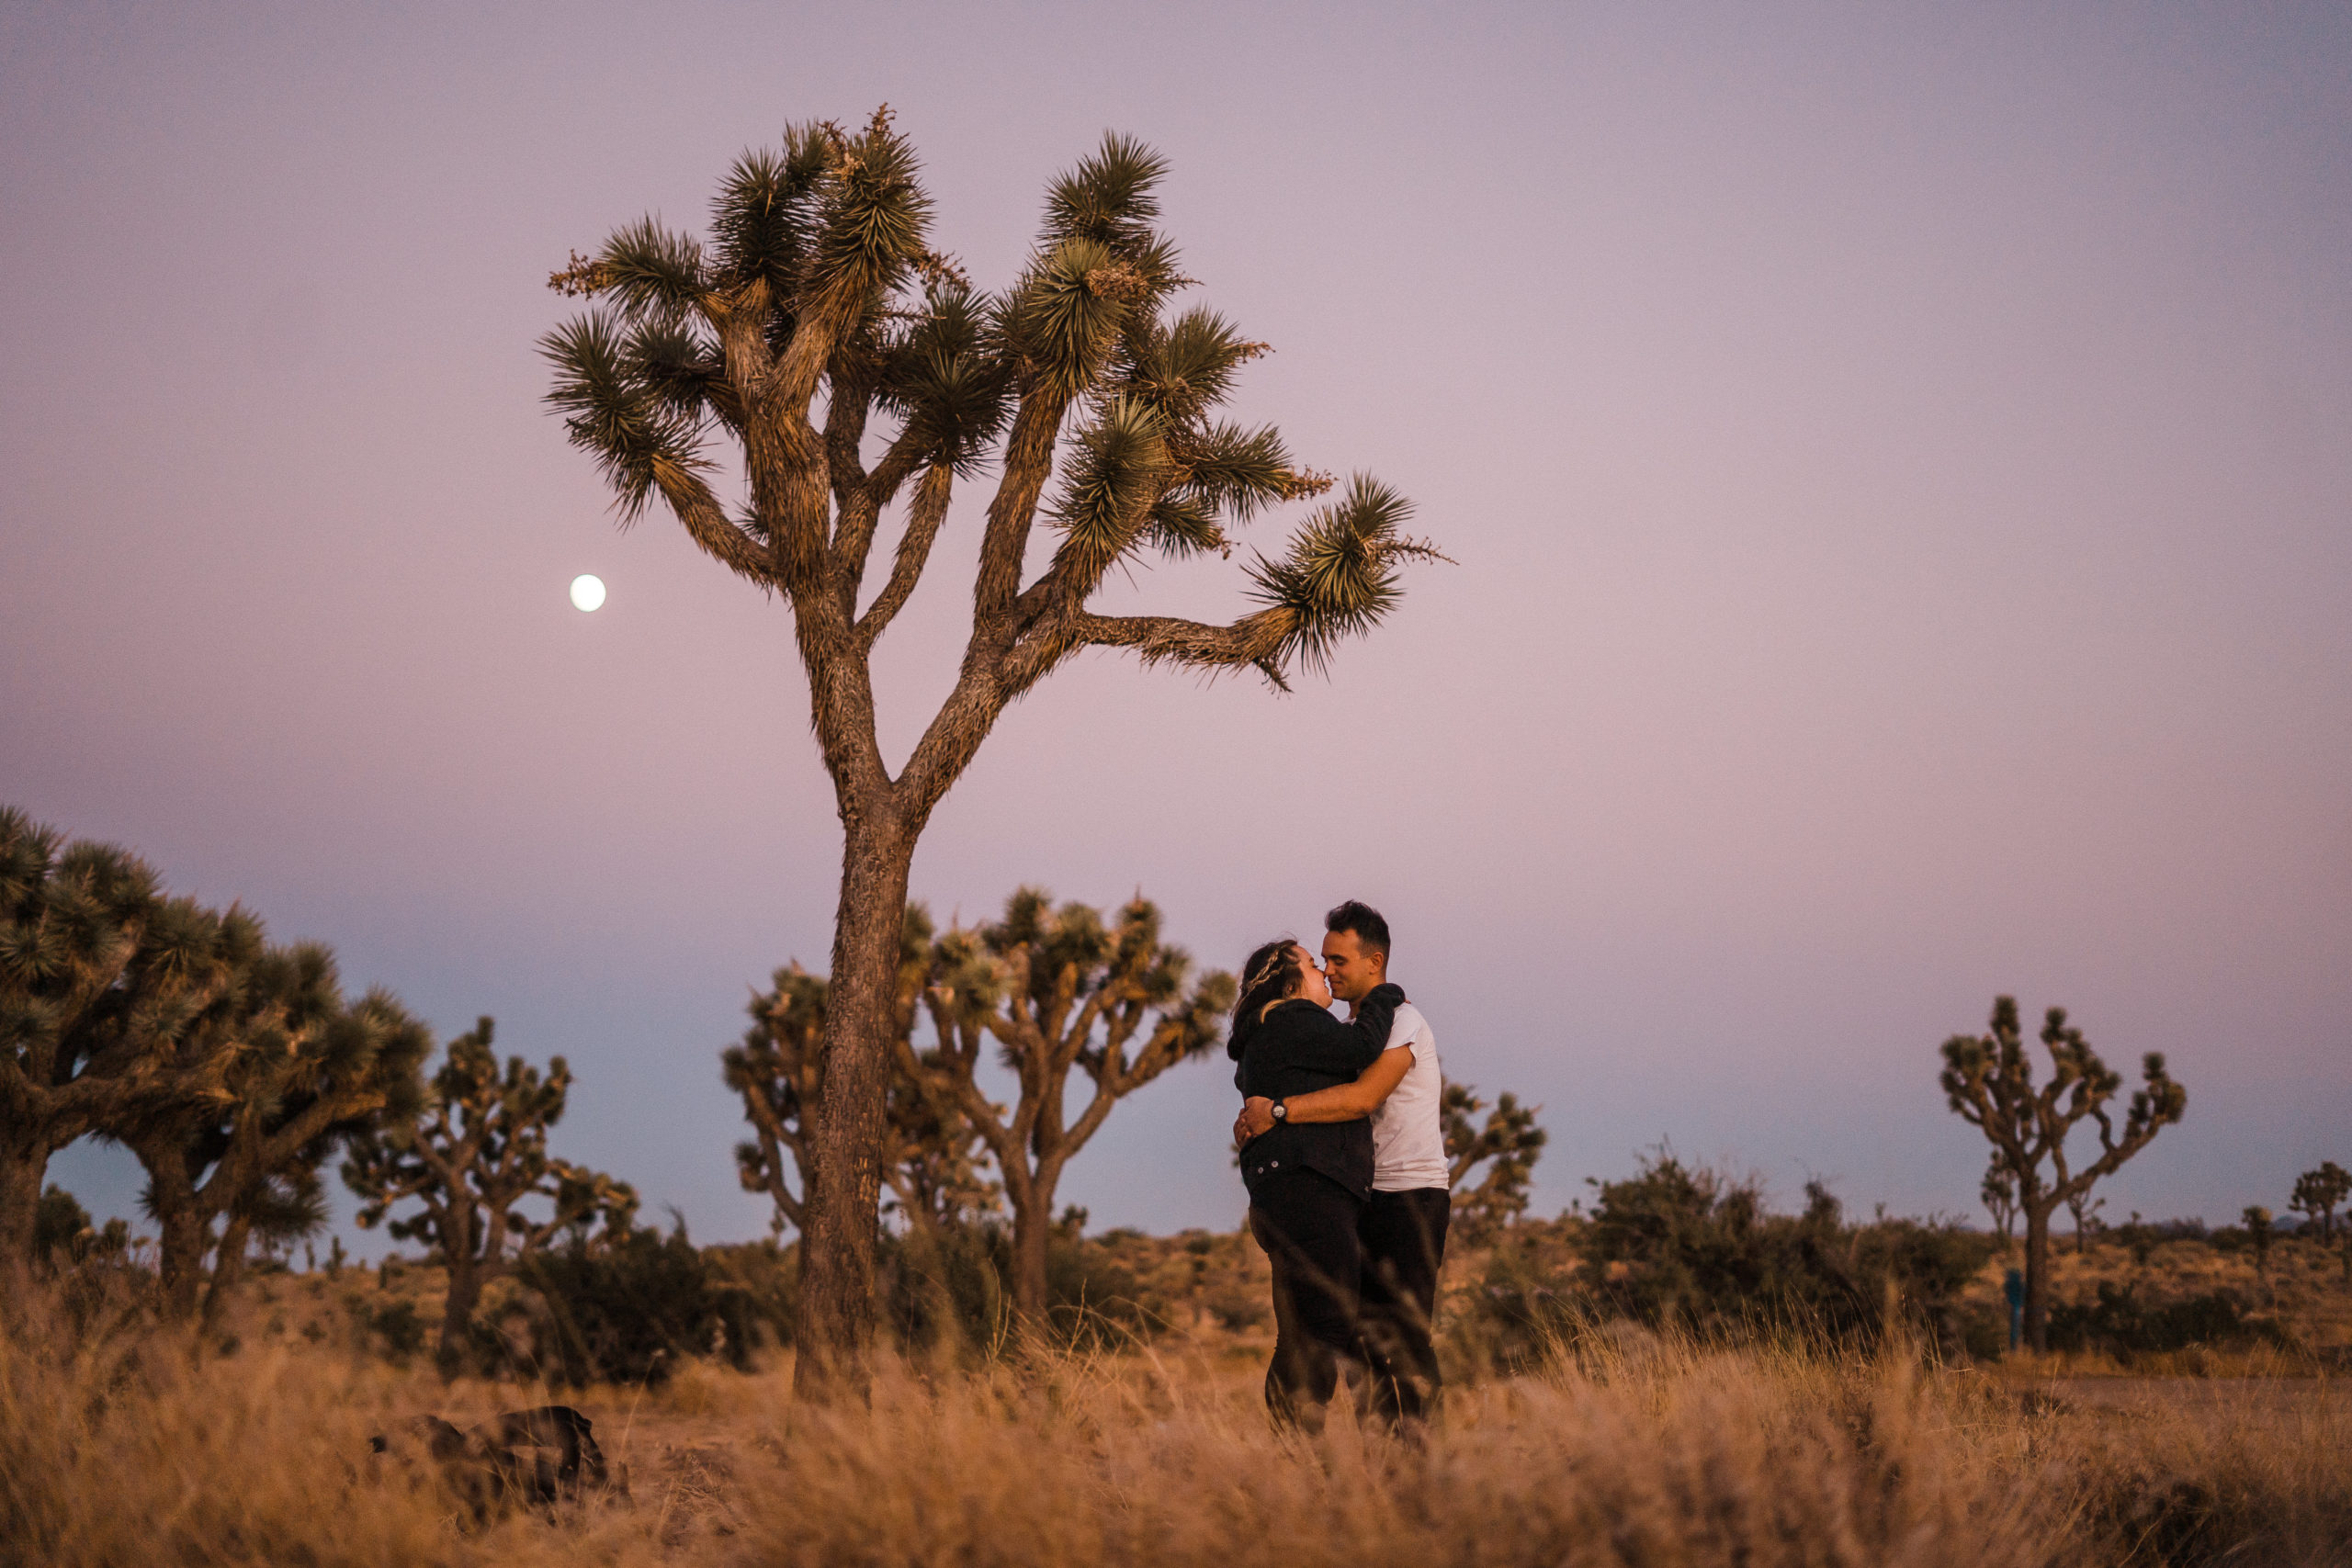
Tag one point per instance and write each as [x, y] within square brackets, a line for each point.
[1403, 1227]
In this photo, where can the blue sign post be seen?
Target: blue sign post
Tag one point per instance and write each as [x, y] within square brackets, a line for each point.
[2013, 1287]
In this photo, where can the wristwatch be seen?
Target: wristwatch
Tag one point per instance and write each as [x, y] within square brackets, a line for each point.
[1282, 1111]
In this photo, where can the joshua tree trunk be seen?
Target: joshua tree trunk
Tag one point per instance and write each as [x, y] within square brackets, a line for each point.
[228, 1266]
[466, 1278]
[2036, 1276]
[1032, 1231]
[844, 1184]
[22, 1166]
[183, 1236]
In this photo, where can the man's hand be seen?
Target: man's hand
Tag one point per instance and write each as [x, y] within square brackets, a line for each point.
[1257, 1117]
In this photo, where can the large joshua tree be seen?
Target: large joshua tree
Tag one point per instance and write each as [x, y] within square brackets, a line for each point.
[854, 370]
[1989, 1079]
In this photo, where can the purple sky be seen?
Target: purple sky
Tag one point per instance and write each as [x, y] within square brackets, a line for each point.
[1900, 462]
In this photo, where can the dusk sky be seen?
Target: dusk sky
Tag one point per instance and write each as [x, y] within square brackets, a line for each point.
[1898, 460]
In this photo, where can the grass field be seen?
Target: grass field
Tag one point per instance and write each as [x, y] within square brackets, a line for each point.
[142, 1447]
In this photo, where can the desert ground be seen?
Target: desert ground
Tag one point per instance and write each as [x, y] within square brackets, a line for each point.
[250, 1444]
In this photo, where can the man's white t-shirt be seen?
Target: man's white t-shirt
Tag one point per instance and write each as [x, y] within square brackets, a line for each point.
[1408, 1136]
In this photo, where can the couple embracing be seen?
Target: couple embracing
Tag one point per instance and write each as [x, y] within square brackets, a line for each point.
[1343, 1153]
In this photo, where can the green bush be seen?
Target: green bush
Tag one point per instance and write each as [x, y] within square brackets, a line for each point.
[948, 1290]
[400, 1326]
[1093, 1298]
[625, 1309]
[1679, 1246]
[2117, 1321]
[1523, 1309]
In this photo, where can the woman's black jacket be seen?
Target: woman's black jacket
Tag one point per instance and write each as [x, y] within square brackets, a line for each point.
[1297, 1048]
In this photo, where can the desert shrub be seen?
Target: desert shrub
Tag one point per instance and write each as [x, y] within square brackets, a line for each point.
[1094, 1299]
[948, 1290]
[1681, 1245]
[399, 1327]
[1520, 1313]
[2118, 1321]
[625, 1309]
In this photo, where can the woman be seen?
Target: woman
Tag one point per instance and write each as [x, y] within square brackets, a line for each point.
[1307, 1183]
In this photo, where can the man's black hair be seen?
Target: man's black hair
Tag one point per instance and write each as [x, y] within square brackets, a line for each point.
[1364, 921]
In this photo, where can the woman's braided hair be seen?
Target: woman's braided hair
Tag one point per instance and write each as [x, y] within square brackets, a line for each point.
[1272, 974]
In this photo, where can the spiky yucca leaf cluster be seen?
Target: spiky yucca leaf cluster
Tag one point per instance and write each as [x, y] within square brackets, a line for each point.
[832, 232]
[476, 1148]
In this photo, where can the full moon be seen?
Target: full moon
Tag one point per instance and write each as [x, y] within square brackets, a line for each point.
[587, 591]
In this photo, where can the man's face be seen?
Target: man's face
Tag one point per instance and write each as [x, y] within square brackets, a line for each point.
[1352, 968]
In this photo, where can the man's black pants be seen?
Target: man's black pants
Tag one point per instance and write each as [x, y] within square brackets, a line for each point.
[1403, 1237]
[1308, 1223]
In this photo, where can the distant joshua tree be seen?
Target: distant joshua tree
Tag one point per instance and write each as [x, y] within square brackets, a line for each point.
[2000, 1196]
[1057, 990]
[2319, 1193]
[1988, 1081]
[1509, 1138]
[2084, 1208]
[818, 297]
[2258, 1222]
[478, 1149]
[933, 1164]
[64, 1234]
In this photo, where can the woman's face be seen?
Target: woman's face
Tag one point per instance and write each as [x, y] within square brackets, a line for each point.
[1311, 982]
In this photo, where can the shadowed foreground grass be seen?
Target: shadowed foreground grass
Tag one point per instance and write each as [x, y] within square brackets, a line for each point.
[128, 1450]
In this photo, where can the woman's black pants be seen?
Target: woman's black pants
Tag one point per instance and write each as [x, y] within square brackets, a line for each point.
[1307, 1223]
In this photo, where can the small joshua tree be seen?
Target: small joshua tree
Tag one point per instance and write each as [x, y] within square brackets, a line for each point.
[2319, 1193]
[1057, 990]
[479, 1150]
[860, 380]
[2000, 1196]
[1510, 1139]
[2084, 1208]
[1989, 1079]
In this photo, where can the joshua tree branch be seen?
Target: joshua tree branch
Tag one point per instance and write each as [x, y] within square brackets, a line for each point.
[924, 518]
[708, 524]
[1028, 463]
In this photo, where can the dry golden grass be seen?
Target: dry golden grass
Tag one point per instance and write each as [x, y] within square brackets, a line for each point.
[134, 1448]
